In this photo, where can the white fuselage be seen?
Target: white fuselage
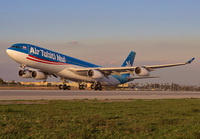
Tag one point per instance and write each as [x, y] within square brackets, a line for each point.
[61, 70]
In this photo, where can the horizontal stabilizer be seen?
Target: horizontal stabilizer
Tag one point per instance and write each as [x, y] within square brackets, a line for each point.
[143, 77]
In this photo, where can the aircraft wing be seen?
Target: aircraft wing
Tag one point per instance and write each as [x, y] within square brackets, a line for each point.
[169, 65]
[120, 70]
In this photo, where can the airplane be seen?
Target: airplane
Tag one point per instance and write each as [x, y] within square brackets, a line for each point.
[48, 63]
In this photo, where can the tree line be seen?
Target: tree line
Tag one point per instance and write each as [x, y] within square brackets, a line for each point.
[134, 86]
[163, 87]
[13, 82]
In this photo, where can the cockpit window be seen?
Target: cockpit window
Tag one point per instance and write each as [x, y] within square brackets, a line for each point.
[16, 47]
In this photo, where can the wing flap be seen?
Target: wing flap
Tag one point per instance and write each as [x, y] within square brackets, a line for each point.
[107, 71]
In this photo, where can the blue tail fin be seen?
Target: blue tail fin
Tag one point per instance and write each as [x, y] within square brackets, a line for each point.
[129, 60]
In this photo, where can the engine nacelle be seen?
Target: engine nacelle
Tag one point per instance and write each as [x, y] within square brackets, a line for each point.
[95, 74]
[140, 71]
[39, 75]
[24, 73]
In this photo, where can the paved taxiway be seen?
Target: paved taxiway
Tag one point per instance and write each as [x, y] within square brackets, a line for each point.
[76, 94]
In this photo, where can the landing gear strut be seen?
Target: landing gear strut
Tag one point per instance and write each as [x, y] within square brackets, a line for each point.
[22, 66]
[64, 86]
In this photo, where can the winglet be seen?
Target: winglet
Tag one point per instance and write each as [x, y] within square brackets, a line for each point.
[190, 61]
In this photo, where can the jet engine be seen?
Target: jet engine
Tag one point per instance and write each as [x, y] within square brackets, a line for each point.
[24, 73]
[39, 75]
[141, 71]
[95, 74]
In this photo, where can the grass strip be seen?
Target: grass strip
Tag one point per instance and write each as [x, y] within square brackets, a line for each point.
[100, 119]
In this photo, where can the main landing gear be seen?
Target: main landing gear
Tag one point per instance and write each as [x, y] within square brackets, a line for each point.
[64, 86]
[96, 86]
[82, 86]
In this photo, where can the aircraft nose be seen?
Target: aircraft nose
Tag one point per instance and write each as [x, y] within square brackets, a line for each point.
[11, 53]
[8, 51]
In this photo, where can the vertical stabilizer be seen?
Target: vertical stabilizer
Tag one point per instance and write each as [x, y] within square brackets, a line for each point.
[129, 60]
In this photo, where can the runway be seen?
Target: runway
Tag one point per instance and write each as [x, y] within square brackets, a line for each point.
[100, 95]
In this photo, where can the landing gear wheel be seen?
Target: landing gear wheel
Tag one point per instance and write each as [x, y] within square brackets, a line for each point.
[64, 87]
[60, 86]
[82, 87]
[68, 87]
[92, 86]
[98, 86]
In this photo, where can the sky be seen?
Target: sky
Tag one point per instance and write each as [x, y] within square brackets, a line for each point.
[105, 31]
